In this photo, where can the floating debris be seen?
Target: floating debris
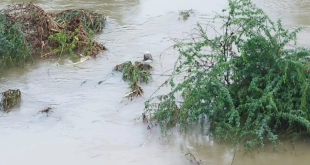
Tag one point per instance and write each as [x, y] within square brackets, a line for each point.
[134, 73]
[137, 72]
[186, 13]
[46, 111]
[10, 98]
[136, 91]
[192, 159]
[144, 118]
[84, 82]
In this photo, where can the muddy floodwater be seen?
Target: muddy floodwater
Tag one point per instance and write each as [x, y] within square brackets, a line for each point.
[92, 123]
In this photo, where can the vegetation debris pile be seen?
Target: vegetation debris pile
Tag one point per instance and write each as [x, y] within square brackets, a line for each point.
[93, 22]
[79, 25]
[33, 31]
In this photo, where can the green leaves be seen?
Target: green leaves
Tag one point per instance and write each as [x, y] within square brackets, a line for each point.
[247, 83]
[134, 74]
[14, 51]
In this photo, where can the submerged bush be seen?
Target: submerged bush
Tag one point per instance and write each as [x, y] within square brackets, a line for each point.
[244, 81]
[13, 48]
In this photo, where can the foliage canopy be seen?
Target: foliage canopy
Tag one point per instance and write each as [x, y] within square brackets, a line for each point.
[245, 81]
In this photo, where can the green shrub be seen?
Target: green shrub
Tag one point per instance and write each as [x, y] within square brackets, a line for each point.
[14, 51]
[244, 81]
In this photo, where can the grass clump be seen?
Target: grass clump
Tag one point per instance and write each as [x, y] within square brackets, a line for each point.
[134, 74]
[245, 82]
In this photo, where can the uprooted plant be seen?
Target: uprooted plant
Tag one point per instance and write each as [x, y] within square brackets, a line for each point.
[245, 81]
[134, 73]
[26, 29]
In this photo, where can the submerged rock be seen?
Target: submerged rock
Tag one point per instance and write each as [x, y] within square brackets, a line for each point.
[147, 56]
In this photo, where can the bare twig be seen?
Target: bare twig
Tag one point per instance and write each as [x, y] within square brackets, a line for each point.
[232, 162]
[148, 139]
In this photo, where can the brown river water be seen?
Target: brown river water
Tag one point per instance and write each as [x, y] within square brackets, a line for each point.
[93, 124]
